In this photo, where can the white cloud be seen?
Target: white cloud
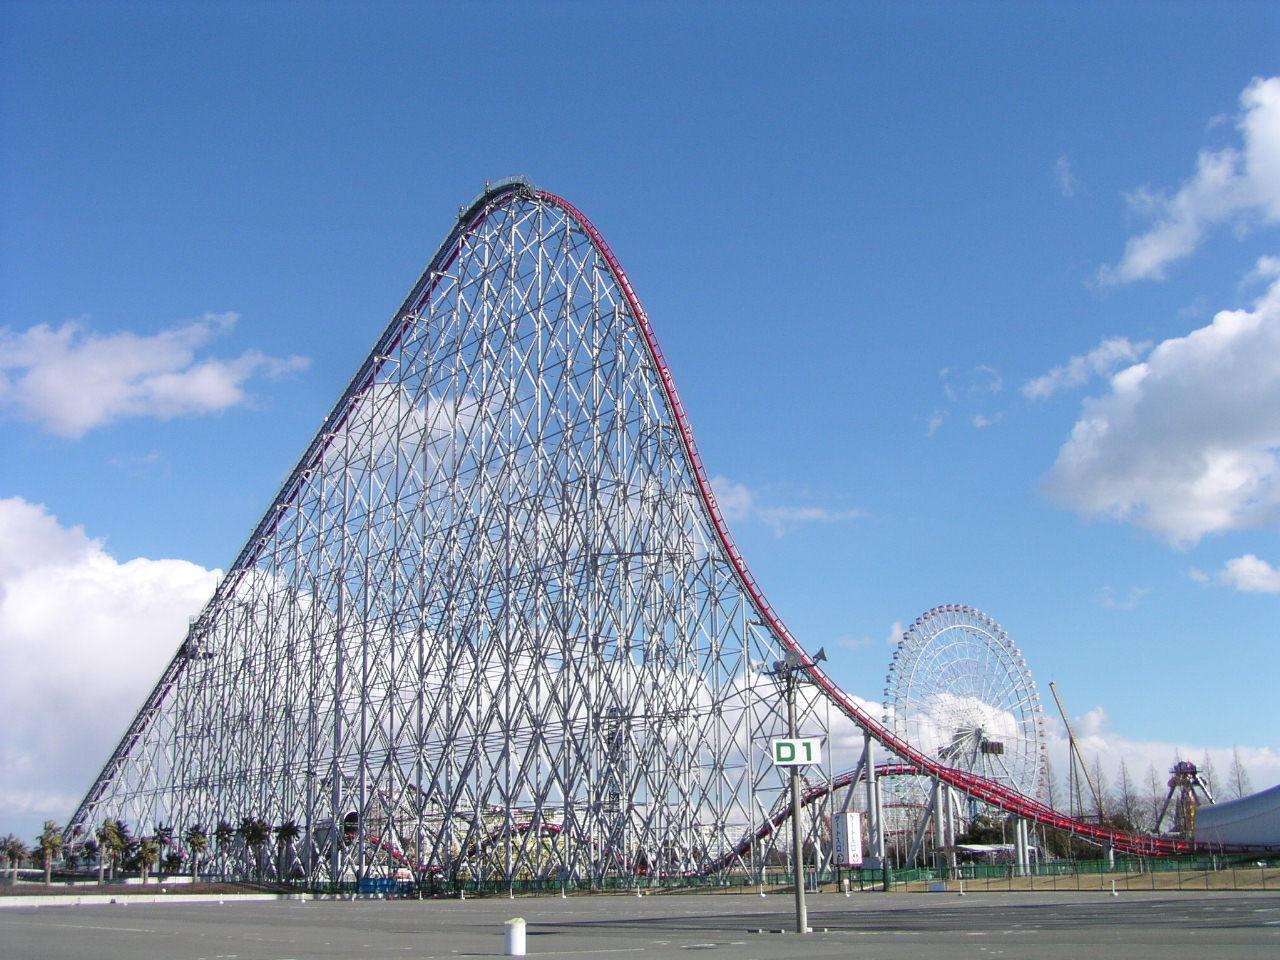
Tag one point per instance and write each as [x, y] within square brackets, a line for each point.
[979, 381]
[740, 504]
[1264, 272]
[70, 380]
[781, 519]
[936, 420]
[964, 390]
[735, 499]
[1250, 574]
[83, 636]
[1186, 443]
[1066, 176]
[1101, 361]
[866, 641]
[1114, 600]
[1232, 185]
[896, 630]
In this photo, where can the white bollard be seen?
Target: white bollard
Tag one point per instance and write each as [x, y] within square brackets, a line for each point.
[762, 889]
[562, 893]
[1113, 889]
[515, 937]
[845, 885]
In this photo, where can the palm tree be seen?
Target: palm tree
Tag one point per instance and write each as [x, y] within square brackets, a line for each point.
[197, 842]
[163, 836]
[255, 832]
[92, 853]
[286, 834]
[16, 851]
[50, 844]
[148, 854]
[223, 833]
[115, 840]
[104, 846]
[105, 849]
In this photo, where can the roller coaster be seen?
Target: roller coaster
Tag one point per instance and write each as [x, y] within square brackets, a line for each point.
[495, 620]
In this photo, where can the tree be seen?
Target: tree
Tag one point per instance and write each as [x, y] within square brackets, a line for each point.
[1100, 783]
[223, 833]
[1238, 777]
[50, 844]
[16, 851]
[1050, 783]
[1126, 795]
[104, 834]
[118, 841]
[93, 854]
[1207, 774]
[983, 829]
[1154, 797]
[286, 834]
[172, 863]
[163, 836]
[197, 842]
[255, 832]
[148, 855]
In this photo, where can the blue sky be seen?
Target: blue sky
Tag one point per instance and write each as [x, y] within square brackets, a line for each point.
[864, 236]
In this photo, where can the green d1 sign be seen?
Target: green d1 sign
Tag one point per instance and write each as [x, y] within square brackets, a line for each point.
[796, 752]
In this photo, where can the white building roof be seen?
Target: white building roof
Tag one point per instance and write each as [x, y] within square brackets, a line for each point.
[1253, 820]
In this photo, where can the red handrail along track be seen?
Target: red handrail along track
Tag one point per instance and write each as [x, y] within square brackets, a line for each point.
[475, 214]
[987, 791]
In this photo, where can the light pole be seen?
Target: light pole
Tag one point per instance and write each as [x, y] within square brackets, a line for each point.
[788, 670]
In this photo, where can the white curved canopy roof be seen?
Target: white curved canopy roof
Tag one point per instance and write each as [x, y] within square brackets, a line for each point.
[1252, 820]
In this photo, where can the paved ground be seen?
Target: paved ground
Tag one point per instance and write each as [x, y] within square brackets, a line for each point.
[885, 927]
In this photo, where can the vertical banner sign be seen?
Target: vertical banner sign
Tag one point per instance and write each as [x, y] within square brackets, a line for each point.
[797, 752]
[846, 836]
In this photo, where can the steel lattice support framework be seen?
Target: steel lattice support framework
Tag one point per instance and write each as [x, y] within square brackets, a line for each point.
[487, 627]
[494, 624]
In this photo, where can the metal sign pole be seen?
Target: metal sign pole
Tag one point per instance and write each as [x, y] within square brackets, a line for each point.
[797, 833]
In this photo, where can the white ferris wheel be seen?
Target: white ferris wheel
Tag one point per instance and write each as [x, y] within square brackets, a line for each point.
[959, 691]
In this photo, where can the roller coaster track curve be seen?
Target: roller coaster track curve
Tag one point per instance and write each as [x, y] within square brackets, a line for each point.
[987, 791]
[471, 217]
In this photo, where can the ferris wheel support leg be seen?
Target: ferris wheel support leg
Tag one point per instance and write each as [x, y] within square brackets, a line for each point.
[941, 817]
[947, 820]
[957, 822]
[1020, 846]
[922, 831]
[875, 823]
[1026, 847]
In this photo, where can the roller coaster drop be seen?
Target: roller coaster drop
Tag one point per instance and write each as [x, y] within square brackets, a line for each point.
[494, 623]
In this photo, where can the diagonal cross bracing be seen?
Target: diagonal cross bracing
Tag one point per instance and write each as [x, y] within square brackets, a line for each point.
[488, 627]
[494, 625]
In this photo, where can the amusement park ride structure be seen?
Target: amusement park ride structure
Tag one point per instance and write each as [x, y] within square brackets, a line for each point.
[1187, 790]
[494, 624]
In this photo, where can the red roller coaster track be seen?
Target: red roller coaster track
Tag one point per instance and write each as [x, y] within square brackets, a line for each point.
[987, 791]
[990, 792]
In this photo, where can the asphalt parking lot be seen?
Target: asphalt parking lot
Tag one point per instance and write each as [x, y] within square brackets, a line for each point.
[880, 926]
